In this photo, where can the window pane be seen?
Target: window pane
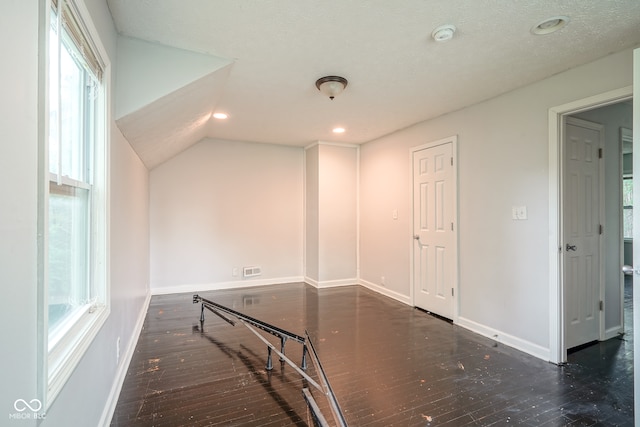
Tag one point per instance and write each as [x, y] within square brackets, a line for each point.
[68, 253]
[72, 115]
[70, 111]
[54, 143]
[627, 221]
[627, 192]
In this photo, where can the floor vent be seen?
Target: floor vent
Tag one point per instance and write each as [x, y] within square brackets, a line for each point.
[251, 271]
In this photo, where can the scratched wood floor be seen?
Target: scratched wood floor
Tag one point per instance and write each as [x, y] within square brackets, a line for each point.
[389, 365]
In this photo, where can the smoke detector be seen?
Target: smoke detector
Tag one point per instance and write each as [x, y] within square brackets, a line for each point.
[443, 33]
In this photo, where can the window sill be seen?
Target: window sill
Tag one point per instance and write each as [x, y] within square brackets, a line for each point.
[64, 358]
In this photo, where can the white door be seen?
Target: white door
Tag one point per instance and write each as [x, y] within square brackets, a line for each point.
[581, 231]
[434, 251]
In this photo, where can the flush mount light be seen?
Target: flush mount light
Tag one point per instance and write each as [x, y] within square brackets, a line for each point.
[550, 25]
[443, 33]
[338, 130]
[331, 86]
[220, 116]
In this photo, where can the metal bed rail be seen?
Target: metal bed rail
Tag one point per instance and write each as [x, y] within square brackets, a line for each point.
[254, 325]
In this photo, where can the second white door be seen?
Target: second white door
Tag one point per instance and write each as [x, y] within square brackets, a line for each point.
[581, 224]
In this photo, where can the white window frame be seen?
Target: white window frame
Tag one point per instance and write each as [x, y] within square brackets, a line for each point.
[59, 358]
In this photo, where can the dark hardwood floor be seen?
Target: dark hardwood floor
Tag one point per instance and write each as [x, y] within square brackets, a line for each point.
[389, 365]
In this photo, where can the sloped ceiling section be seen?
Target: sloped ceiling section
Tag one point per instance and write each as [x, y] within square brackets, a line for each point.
[165, 97]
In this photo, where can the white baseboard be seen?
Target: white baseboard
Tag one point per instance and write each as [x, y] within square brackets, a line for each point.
[386, 292]
[498, 336]
[494, 334]
[125, 361]
[337, 283]
[501, 337]
[311, 281]
[330, 283]
[202, 287]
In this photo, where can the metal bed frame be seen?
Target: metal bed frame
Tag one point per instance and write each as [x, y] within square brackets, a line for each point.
[307, 349]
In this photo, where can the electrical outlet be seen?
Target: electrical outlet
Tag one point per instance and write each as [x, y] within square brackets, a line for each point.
[235, 272]
[519, 212]
[522, 212]
[382, 280]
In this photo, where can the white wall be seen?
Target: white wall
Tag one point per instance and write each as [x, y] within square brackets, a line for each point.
[503, 162]
[83, 399]
[337, 214]
[311, 226]
[221, 205]
[18, 209]
[613, 117]
[331, 214]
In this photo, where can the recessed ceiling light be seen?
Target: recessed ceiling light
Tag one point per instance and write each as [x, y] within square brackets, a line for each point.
[339, 130]
[443, 33]
[550, 25]
[220, 116]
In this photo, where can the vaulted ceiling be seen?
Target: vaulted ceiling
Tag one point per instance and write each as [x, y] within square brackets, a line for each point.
[258, 62]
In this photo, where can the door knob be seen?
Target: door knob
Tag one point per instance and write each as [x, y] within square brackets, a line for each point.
[416, 237]
[570, 247]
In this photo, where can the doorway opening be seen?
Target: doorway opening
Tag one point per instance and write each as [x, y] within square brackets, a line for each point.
[598, 109]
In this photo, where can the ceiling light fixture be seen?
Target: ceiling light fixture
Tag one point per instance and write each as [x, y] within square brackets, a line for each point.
[549, 25]
[220, 116]
[339, 130]
[331, 86]
[443, 33]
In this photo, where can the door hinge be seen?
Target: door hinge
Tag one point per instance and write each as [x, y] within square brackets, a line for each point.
[601, 229]
[451, 226]
[452, 292]
[601, 305]
[452, 161]
[600, 153]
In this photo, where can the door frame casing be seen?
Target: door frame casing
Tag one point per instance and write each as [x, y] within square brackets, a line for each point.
[557, 347]
[454, 153]
[625, 135]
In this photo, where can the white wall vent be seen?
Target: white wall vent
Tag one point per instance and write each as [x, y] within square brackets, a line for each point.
[251, 271]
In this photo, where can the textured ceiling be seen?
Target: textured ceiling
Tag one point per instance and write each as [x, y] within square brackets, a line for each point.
[397, 74]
